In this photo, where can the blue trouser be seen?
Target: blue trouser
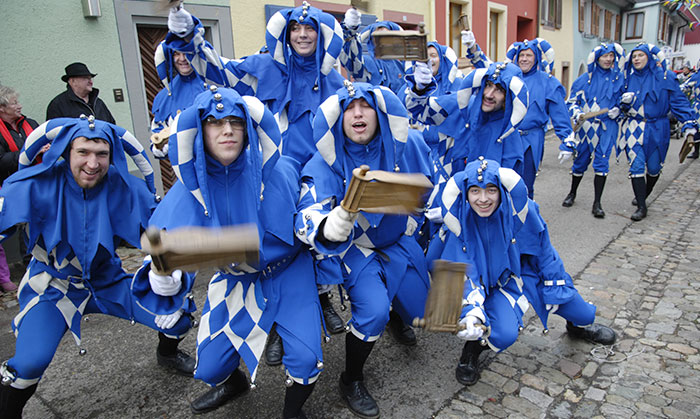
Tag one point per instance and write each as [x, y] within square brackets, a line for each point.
[504, 321]
[371, 300]
[577, 311]
[600, 154]
[529, 172]
[641, 161]
[43, 326]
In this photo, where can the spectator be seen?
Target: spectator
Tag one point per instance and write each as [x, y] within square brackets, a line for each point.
[79, 98]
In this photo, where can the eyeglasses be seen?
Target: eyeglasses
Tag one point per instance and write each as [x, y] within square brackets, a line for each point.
[235, 123]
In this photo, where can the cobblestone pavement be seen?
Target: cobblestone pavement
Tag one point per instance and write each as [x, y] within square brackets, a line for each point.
[646, 285]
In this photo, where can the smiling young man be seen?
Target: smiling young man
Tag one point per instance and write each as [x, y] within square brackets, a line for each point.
[77, 205]
[226, 155]
[600, 87]
[547, 95]
[491, 225]
[79, 98]
[650, 93]
[383, 265]
[292, 80]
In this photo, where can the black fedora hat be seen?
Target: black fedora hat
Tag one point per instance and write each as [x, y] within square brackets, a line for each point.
[76, 70]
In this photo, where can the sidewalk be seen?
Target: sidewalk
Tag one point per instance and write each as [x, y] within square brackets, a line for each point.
[646, 284]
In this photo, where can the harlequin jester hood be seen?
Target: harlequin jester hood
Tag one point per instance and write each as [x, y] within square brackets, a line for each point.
[647, 80]
[486, 239]
[544, 54]
[597, 87]
[191, 163]
[508, 76]
[47, 197]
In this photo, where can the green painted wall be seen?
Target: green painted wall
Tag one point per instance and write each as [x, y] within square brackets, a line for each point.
[40, 37]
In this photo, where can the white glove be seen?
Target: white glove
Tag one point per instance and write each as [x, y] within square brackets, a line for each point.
[180, 22]
[167, 285]
[339, 224]
[423, 75]
[627, 98]
[353, 18]
[614, 112]
[158, 153]
[564, 156]
[166, 321]
[434, 215]
[690, 131]
[468, 39]
[472, 331]
[411, 225]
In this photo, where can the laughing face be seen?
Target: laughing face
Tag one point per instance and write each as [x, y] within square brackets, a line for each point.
[360, 122]
[484, 201]
[494, 97]
[303, 38]
[89, 161]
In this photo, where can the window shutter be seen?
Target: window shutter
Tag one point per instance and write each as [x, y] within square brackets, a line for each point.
[557, 23]
[608, 22]
[618, 28]
[581, 16]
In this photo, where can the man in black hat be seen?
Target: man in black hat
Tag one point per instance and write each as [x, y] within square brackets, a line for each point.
[79, 98]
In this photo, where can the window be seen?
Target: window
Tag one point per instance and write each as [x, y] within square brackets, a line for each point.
[550, 12]
[663, 25]
[607, 25]
[635, 25]
[456, 10]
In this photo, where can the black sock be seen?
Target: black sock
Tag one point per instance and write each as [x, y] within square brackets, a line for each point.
[12, 400]
[167, 346]
[356, 353]
[294, 399]
[323, 299]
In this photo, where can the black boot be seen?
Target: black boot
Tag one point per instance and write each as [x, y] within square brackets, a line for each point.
[352, 386]
[696, 152]
[651, 182]
[467, 371]
[294, 399]
[12, 400]
[234, 386]
[598, 186]
[639, 188]
[334, 324]
[172, 358]
[569, 200]
[274, 349]
[595, 333]
[400, 331]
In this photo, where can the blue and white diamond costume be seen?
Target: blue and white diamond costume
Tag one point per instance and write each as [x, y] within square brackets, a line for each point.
[73, 234]
[645, 133]
[290, 85]
[243, 302]
[364, 67]
[546, 284]
[547, 97]
[597, 89]
[381, 265]
[178, 92]
[493, 288]
[465, 131]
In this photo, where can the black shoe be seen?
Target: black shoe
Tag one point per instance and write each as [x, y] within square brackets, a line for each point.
[639, 215]
[358, 399]
[569, 200]
[234, 386]
[274, 349]
[595, 333]
[334, 324]
[400, 331]
[467, 372]
[180, 363]
[598, 210]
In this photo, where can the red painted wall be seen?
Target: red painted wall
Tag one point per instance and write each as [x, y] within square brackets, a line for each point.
[480, 18]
